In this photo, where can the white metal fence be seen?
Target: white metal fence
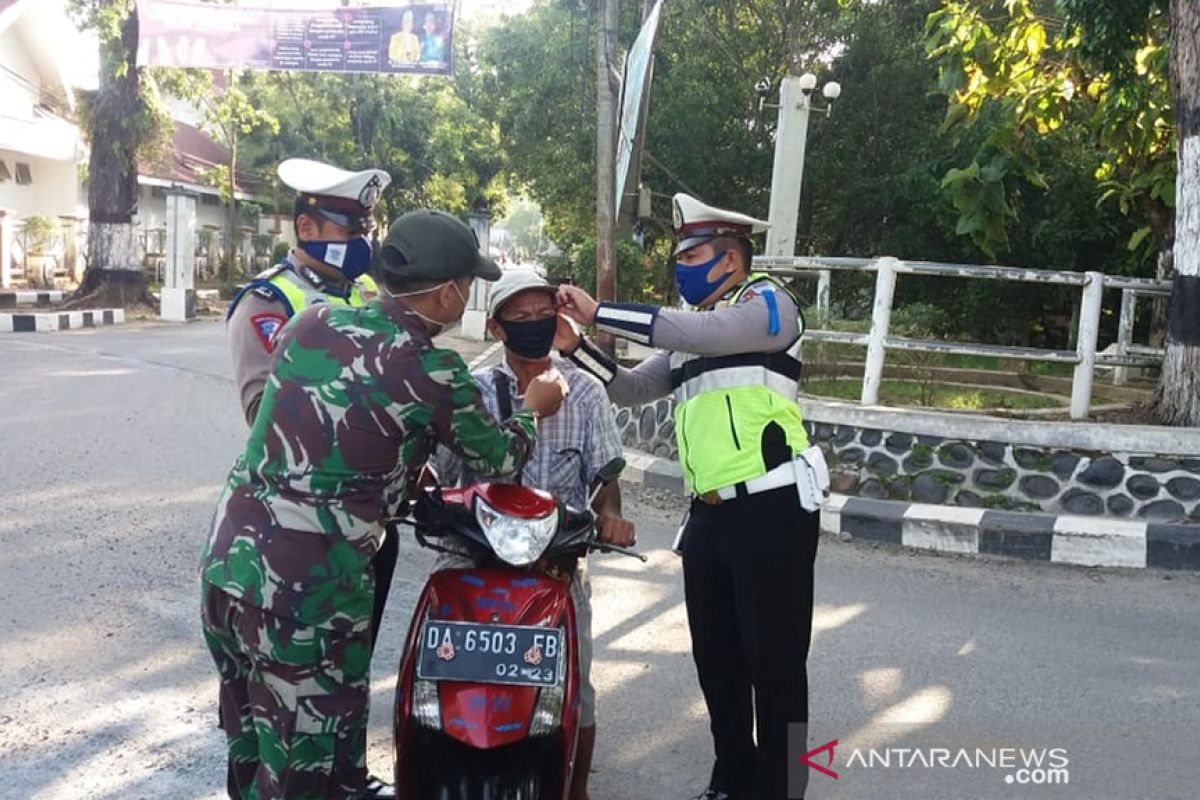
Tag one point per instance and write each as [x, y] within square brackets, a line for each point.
[878, 341]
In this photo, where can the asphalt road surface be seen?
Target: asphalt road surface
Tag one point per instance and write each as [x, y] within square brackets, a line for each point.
[113, 444]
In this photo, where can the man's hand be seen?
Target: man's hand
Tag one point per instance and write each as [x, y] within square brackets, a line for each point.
[545, 393]
[566, 337]
[577, 304]
[616, 530]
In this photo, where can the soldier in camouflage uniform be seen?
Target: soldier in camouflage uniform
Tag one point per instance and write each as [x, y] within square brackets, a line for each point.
[356, 400]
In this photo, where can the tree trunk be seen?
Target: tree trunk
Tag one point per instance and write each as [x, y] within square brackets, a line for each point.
[232, 275]
[1178, 398]
[114, 273]
[606, 143]
[1164, 270]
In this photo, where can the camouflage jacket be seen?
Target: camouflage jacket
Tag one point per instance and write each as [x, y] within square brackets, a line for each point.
[355, 402]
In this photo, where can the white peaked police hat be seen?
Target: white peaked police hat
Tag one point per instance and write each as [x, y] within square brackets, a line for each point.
[514, 281]
[345, 197]
[696, 223]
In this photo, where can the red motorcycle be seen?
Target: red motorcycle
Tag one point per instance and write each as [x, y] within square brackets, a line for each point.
[487, 701]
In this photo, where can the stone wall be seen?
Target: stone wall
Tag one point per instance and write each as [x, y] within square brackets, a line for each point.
[649, 428]
[878, 463]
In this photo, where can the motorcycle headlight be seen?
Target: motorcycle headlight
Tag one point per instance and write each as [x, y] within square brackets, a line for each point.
[515, 540]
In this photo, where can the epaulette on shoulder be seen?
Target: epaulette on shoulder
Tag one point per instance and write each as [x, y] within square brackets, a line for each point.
[261, 289]
[271, 272]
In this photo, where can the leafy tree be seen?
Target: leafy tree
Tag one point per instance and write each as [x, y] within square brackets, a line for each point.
[704, 134]
[524, 225]
[633, 270]
[229, 116]
[123, 121]
[436, 147]
[1104, 67]
[1027, 71]
[873, 172]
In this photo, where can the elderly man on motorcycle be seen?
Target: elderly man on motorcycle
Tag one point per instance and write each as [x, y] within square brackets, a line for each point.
[574, 445]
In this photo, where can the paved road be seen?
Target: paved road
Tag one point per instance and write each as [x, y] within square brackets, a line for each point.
[112, 445]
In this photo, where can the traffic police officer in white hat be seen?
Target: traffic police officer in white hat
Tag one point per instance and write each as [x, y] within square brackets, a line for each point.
[750, 537]
[333, 219]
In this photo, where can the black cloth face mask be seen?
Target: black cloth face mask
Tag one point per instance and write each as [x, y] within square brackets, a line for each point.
[530, 339]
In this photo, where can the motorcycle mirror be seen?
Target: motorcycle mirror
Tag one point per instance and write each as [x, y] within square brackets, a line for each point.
[610, 471]
[607, 474]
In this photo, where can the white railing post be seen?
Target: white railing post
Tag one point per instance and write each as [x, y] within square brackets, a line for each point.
[881, 316]
[824, 278]
[1089, 331]
[1125, 334]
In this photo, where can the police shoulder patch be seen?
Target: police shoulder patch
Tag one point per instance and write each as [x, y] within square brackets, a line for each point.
[265, 292]
[267, 327]
[757, 290]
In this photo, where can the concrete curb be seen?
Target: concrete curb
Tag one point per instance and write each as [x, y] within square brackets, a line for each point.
[1061, 539]
[32, 297]
[59, 321]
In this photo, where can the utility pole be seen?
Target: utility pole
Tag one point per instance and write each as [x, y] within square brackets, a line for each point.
[791, 137]
[629, 203]
[606, 145]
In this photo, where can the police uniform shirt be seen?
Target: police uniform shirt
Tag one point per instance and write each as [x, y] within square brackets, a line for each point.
[765, 320]
[253, 330]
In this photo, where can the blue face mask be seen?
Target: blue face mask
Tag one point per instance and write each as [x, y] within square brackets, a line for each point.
[692, 279]
[352, 258]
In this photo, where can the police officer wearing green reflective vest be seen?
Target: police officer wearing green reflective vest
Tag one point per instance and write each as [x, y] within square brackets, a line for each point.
[333, 219]
[750, 537]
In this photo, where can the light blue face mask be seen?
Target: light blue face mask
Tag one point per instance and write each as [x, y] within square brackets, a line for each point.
[692, 280]
[352, 258]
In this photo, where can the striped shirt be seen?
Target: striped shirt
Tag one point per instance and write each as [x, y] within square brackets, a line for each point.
[572, 446]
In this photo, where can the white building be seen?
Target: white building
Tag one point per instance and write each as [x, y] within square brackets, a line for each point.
[40, 146]
[193, 154]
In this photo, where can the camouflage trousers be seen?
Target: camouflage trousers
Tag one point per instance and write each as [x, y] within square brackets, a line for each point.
[293, 702]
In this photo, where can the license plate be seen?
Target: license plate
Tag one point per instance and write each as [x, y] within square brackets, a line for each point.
[521, 655]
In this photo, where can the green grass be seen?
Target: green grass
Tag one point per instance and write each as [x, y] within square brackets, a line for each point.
[830, 351]
[994, 364]
[908, 393]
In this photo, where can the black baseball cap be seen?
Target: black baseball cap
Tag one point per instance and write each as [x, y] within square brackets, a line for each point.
[433, 245]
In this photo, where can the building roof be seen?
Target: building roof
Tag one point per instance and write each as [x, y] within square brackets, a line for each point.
[193, 154]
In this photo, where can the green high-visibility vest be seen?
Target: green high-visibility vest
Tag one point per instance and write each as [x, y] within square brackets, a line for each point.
[723, 404]
[295, 293]
[300, 294]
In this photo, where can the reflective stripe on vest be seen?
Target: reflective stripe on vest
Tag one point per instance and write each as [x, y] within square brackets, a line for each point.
[779, 372]
[301, 294]
[724, 406]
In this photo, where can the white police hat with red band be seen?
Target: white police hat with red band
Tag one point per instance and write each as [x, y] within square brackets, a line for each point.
[696, 223]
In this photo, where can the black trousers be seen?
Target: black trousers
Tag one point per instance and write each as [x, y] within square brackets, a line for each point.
[384, 564]
[748, 581]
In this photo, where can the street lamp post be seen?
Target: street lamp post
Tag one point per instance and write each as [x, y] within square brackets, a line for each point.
[791, 136]
[474, 320]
